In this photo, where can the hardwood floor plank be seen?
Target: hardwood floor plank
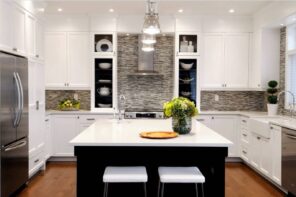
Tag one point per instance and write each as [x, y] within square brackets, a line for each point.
[59, 180]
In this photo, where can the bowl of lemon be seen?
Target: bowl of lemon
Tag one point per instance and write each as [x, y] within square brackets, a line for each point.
[68, 104]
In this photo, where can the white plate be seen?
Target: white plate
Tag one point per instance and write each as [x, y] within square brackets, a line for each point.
[104, 105]
[104, 81]
[101, 44]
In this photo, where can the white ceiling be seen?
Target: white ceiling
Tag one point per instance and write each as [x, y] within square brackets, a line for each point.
[165, 7]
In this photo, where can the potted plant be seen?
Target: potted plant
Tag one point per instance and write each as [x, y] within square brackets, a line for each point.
[69, 104]
[181, 110]
[272, 98]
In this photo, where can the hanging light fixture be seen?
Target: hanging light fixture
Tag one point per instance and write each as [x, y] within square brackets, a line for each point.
[147, 47]
[151, 23]
[148, 39]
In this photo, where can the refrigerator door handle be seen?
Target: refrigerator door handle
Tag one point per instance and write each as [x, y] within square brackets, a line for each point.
[15, 122]
[16, 145]
[21, 98]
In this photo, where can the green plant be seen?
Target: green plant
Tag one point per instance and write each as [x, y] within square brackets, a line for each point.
[69, 103]
[180, 108]
[272, 92]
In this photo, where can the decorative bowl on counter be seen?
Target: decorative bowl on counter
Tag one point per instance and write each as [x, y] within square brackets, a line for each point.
[104, 105]
[104, 65]
[103, 91]
[185, 93]
[186, 66]
[186, 81]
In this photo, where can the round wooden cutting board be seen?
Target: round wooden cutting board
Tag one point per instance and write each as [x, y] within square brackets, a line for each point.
[158, 134]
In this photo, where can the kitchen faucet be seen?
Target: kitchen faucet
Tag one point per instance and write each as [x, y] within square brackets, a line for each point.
[121, 103]
[292, 106]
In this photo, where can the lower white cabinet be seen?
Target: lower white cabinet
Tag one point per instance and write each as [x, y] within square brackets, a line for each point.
[48, 138]
[276, 133]
[225, 126]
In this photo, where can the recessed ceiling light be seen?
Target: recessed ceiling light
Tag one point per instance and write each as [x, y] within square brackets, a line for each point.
[111, 10]
[40, 9]
[180, 11]
[231, 11]
[60, 9]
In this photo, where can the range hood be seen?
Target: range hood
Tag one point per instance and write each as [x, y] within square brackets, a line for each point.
[145, 62]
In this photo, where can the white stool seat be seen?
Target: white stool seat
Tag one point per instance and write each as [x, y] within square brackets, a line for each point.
[180, 175]
[134, 174]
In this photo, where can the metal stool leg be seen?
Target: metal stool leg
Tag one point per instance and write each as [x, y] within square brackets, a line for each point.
[196, 189]
[105, 189]
[145, 190]
[158, 190]
[202, 190]
[162, 189]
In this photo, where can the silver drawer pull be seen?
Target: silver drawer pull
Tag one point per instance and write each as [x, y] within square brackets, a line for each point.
[90, 119]
[271, 128]
[36, 161]
[46, 120]
[245, 135]
[258, 138]
[200, 120]
[245, 152]
[244, 121]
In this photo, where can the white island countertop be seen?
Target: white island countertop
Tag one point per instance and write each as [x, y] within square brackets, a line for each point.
[106, 132]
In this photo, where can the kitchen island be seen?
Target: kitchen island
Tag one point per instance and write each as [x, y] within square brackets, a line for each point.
[113, 143]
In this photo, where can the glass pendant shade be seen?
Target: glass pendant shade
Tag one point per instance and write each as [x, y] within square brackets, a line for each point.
[151, 24]
[148, 39]
[147, 47]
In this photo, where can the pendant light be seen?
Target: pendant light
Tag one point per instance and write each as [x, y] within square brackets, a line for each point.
[147, 47]
[148, 39]
[151, 23]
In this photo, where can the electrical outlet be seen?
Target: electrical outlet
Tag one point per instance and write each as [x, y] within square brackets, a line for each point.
[75, 96]
[216, 97]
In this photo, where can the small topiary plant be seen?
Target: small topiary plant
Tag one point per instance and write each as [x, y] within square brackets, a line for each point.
[272, 91]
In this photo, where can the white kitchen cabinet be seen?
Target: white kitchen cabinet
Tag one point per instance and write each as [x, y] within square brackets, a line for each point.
[48, 138]
[64, 128]
[226, 61]
[56, 59]
[276, 135]
[237, 60]
[213, 61]
[30, 35]
[19, 23]
[6, 36]
[67, 60]
[225, 126]
[78, 60]
[39, 40]
[244, 139]
[255, 150]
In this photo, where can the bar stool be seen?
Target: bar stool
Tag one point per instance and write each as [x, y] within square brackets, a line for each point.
[180, 175]
[131, 174]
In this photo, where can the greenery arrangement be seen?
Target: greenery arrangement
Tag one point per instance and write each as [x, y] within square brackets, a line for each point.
[69, 104]
[272, 91]
[180, 108]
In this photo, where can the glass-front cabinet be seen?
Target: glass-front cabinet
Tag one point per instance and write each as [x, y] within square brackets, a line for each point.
[187, 44]
[187, 81]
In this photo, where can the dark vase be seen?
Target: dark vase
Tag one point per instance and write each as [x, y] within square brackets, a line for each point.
[182, 125]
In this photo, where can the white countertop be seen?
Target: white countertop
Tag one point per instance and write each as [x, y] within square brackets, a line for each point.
[126, 133]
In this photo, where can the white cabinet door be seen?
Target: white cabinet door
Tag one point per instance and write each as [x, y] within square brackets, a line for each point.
[64, 129]
[255, 152]
[236, 60]
[206, 120]
[78, 60]
[5, 26]
[276, 134]
[56, 59]
[266, 156]
[40, 83]
[227, 127]
[48, 139]
[39, 40]
[18, 18]
[30, 35]
[213, 62]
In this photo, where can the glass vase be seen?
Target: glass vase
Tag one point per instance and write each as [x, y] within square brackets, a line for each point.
[182, 125]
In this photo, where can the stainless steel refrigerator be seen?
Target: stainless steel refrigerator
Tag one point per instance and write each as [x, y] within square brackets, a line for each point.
[13, 122]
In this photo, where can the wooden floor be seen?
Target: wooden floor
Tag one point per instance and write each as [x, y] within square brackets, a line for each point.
[59, 181]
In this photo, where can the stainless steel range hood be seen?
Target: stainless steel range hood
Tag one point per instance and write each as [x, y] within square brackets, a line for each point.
[145, 62]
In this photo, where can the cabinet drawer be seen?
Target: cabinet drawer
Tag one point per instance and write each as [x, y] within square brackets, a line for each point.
[85, 119]
[35, 162]
[244, 135]
[244, 153]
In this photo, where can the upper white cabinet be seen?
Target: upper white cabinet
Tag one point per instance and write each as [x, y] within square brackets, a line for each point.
[56, 60]
[18, 22]
[67, 60]
[31, 35]
[6, 36]
[226, 61]
[39, 42]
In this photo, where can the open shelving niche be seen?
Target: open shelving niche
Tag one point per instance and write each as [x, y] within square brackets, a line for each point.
[104, 78]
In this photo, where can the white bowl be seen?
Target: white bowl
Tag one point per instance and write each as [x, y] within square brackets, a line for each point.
[104, 105]
[103, 91]
[186, 81]
[104, 65]
[186, 66]
[186, 93]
